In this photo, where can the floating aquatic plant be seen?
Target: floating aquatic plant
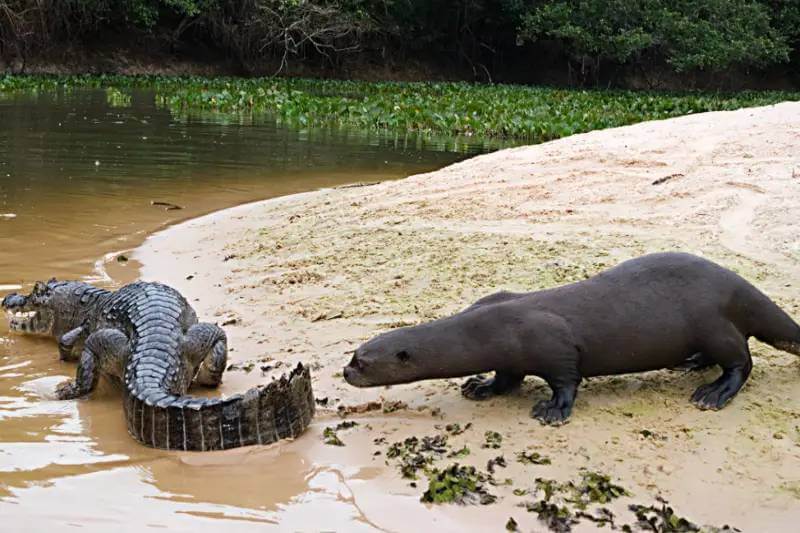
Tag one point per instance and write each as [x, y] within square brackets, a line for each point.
[525, 113]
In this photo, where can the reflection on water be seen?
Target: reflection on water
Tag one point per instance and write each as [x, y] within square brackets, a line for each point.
[78, 175]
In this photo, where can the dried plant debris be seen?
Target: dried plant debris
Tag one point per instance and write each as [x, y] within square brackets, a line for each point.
[532, 458]
[497, 461]
[457, 484]
[385, 406]
[562, 505]
[456, 429]
[461, 452]
[646, 433]
[595, 488]
[246, 367]
[392, 406]
[554, 507]
[512, 525]
[415, 454]
[663, 519]
[493, 440]
[556, 517]
[330, 434]
[601, 517]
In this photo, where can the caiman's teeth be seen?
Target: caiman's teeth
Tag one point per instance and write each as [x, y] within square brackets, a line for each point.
[21, 314]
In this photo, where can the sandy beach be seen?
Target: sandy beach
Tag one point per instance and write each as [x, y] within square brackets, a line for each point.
[308, 277]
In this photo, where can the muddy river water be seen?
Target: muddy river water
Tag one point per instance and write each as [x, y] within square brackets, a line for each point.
[78, 176]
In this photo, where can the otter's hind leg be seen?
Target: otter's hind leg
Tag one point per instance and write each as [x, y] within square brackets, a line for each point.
[729, 350]
[481, 388]
[557, 409]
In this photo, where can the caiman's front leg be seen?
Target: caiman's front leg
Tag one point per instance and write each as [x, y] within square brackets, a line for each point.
[106, 350]
[68, 341]
[206, 348]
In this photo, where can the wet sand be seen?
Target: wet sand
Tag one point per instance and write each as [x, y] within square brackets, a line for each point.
[77, 178]
[308, 277]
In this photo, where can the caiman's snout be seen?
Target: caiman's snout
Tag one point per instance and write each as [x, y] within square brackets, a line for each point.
[23, 315]
[13, 301]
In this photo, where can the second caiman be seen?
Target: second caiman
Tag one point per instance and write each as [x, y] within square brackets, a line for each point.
[147, 337]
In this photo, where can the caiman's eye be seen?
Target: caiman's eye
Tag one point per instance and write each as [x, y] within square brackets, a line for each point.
[403, 356]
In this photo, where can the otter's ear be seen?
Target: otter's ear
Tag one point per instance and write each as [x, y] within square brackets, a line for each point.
[403, 356]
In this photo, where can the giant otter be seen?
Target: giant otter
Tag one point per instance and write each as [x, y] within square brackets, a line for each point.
[656, 311]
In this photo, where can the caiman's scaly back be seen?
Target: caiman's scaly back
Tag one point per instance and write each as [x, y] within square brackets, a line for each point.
[147, 336]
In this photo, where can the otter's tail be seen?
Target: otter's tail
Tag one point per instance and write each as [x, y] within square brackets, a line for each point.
[265, 414]
[769, 323]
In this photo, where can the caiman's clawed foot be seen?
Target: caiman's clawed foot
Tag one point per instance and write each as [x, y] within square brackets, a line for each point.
[68, 390]
[481, 387]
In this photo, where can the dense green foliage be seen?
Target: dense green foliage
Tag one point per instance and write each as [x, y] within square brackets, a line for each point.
[704, 34]
[490, 38]
[532, 114]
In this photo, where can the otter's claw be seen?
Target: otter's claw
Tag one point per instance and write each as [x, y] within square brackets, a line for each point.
[478, 388]
[550, 413]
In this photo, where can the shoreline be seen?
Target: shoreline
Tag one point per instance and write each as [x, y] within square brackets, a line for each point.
[291, 272]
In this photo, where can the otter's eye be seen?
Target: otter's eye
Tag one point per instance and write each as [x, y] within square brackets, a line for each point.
[403, 356]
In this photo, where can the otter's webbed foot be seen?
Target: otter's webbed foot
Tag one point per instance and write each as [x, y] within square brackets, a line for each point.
[698, 361]
[556, 410]
[715, 395]
[480, 387]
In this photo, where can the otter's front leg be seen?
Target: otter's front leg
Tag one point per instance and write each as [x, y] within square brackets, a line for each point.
[557, 409]
[481, 388]
[561, 370]
[106, 350]
[206, 348]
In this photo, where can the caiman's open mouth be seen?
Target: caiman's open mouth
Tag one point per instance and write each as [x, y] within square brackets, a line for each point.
[21, 318]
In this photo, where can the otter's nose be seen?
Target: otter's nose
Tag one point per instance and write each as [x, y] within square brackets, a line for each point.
[355, 362]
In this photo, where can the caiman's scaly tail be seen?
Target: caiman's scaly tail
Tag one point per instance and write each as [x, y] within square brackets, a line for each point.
[262, 415]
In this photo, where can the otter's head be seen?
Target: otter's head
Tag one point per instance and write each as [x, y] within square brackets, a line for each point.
[393, 357]
[41, 312]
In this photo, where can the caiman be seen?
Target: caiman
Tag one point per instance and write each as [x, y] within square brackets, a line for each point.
[147, 337]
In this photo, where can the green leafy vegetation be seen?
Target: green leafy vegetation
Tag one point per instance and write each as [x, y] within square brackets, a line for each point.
[685, 34]
[330, 434]
[413, 454]
[522, 113]
[661, 518]
[484, 39]
[532, 458]
[457, 484]
[493, 440]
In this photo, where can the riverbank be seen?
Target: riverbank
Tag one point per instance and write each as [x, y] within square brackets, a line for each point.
[308, 277]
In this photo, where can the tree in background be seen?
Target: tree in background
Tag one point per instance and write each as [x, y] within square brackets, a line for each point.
[688, 35]
[590, 39]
